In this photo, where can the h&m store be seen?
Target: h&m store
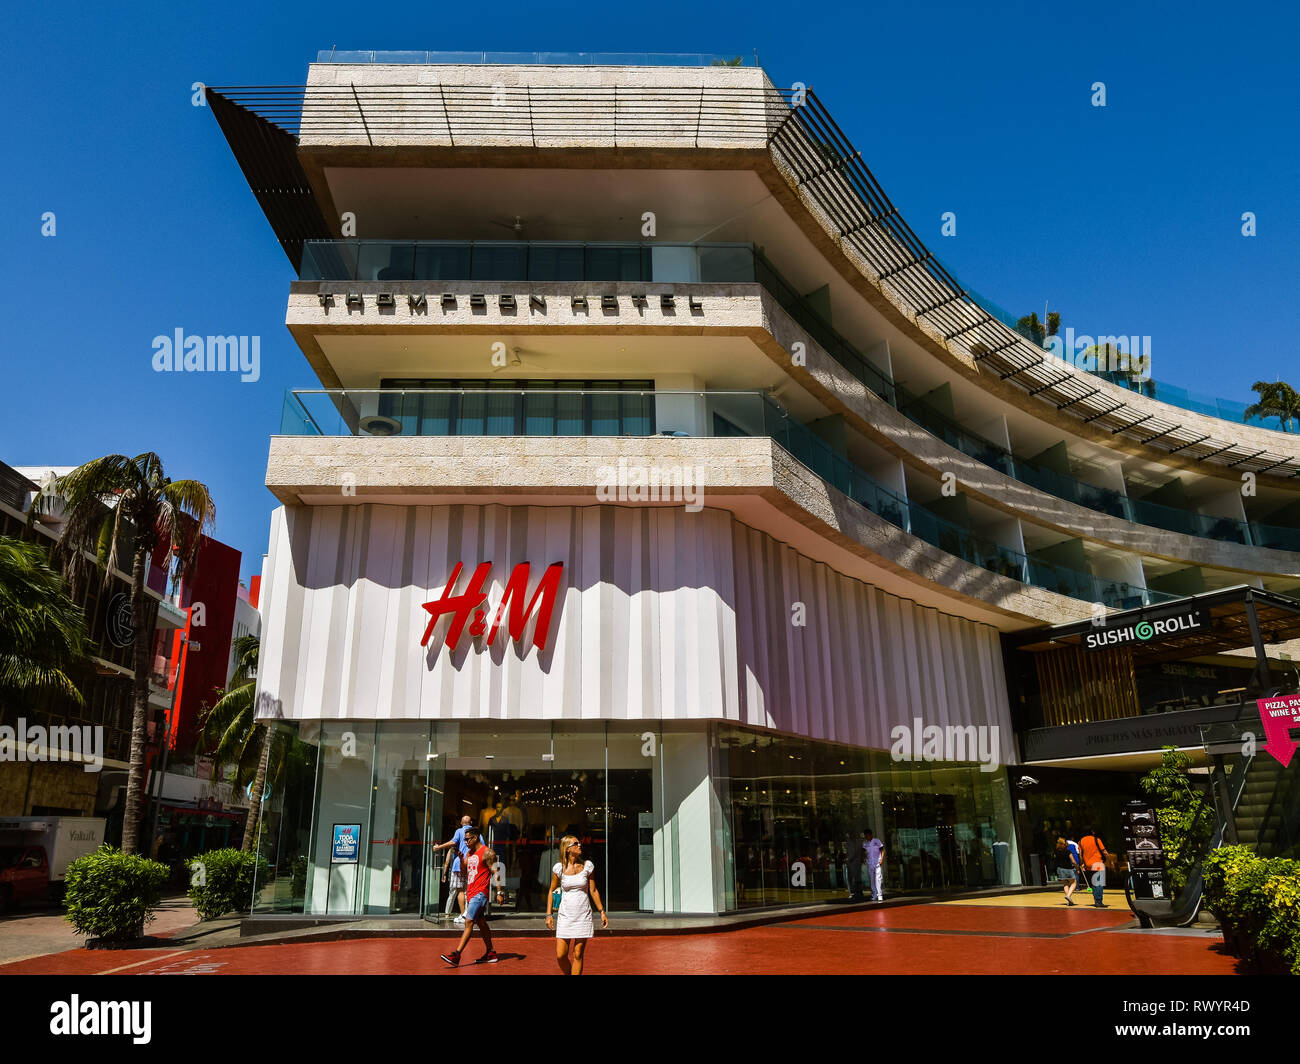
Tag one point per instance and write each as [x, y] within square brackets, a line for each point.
[709, 710]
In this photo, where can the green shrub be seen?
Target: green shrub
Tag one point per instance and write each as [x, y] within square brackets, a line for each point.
[1186, 816]
[1257, 902]
[111, 896]
[1280, 934]
[1221, 869]
[221, 881]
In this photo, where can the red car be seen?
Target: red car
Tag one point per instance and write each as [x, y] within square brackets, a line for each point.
[24, 875]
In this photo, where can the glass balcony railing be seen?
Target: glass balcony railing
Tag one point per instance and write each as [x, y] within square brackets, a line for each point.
[630, 412]
[536, 260]
[1090, 496]
[683, 59]
[433, 260]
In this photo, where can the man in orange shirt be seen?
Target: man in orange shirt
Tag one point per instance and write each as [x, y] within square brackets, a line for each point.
[1092, 853]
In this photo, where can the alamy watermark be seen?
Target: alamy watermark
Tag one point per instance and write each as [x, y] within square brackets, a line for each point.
[1104, 354]
[59, 743]
[179, 353]
[638, 482]
[953, 742]
[131, 1019]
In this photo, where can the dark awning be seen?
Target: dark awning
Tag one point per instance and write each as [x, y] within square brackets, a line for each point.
[1278, 617]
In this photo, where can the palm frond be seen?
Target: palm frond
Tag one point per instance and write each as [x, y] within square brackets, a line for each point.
[246, 650]
[42, 630]
[228, 719]
[185, 512]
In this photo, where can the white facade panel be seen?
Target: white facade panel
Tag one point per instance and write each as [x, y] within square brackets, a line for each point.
[661, 614]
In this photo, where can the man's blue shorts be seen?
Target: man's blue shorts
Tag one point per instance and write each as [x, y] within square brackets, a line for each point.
[474, 907]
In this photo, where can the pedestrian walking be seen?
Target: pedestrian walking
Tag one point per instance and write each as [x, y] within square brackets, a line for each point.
[857, 853]
[572, 879]
[479, 861]
[1067, 866]
[875, 865]
[1093, 856]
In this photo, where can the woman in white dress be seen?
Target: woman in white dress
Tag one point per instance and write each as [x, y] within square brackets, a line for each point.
[575, 879]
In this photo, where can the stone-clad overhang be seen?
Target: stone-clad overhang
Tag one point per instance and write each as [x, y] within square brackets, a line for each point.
[753, 477]
[418, 308]
[721, 118]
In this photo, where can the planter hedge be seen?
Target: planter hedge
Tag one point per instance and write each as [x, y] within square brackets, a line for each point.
[221, 881]
[1257, 902]
[110, 896]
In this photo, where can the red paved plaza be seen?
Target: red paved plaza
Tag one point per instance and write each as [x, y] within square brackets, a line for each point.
[980, 939]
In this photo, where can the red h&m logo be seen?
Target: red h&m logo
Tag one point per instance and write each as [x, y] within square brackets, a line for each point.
[472, 603]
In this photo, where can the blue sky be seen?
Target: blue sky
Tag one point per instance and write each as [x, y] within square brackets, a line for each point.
[1127, 218]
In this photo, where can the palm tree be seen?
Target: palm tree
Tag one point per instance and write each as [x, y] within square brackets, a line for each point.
[263, 758]
[117, 507]
[231, 732]
[1276, 399]
[1032, 329]
[42, 630]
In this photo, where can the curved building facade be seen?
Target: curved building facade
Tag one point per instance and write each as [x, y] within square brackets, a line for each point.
[659, 485]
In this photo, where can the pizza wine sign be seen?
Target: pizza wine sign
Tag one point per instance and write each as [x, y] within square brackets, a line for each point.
[471, 607]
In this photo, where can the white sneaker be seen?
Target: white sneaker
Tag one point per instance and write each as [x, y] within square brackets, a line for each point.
[459, 920]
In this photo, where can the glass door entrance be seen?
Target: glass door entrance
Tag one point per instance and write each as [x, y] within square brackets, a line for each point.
[387, 794]
[525, 791]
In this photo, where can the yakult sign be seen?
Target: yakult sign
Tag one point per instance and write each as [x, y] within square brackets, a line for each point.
[471, 606]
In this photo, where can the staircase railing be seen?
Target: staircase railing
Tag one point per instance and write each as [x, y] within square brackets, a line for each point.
[1183, 910]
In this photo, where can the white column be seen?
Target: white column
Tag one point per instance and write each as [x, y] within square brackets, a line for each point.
[683, 412]
[688, 868]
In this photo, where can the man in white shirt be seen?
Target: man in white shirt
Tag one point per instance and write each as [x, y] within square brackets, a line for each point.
[456, 886]
[875, 868]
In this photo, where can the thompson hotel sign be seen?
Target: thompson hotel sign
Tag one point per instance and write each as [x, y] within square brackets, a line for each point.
[1147, 631]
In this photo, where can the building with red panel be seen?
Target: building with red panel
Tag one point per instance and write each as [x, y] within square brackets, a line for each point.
[201, 656]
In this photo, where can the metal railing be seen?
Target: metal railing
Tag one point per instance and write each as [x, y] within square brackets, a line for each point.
[1162, 392]
[630, 412]
[540, 116]
[15, 488]
[658, 59]
[864, 217]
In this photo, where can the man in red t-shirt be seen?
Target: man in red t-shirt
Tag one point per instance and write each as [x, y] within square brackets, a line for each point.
[479, 862]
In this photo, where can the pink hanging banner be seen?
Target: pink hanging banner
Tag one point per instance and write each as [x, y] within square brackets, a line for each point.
[1279, 715]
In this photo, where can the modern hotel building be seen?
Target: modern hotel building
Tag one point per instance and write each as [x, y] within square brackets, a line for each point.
[661, 487]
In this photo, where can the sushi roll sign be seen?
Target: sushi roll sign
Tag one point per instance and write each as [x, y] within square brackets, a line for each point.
[1146, 631]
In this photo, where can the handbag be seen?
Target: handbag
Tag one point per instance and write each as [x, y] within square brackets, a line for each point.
[557, 893]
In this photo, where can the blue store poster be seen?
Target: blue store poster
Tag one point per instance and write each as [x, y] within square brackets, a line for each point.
[347, 844]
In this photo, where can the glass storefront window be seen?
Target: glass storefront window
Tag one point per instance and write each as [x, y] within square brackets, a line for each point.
[493, 407]
[344, 792]
[405, 787]
[690, 819]
[395, 864]
[284, 833]
[634, 761]
[798, 808]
